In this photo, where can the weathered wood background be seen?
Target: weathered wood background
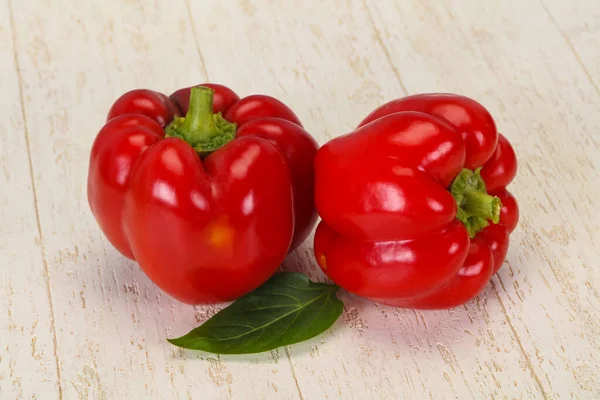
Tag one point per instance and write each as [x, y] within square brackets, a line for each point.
[79, 321]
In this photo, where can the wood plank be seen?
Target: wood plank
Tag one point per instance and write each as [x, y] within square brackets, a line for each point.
[511, 56]
[111, 321]
[535, 65]
[28, 363]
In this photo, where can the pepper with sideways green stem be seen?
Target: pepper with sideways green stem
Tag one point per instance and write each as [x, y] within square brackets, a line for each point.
[407, 219]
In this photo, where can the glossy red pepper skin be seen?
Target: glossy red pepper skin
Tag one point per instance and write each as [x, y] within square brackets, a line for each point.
[389, 229]
[468, 117]
[146, 102]
[204, 230]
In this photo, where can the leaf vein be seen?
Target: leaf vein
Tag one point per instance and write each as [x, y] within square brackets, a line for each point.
[262, 326]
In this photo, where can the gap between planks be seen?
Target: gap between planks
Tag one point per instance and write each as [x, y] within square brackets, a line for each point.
[535, 376]
[35, 197]
[571, 47]
[195, 33]
[385, 50]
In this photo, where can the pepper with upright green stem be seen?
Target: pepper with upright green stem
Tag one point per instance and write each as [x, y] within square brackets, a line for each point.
[204, 130]
[208, 204]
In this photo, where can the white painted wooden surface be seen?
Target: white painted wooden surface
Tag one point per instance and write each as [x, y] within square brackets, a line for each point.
[79, 321]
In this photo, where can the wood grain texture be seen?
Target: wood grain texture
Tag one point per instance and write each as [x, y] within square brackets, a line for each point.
[27, 337]
[579, 28]
[82, 322]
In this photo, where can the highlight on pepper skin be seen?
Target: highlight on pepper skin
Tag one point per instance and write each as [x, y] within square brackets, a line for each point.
[414, 207]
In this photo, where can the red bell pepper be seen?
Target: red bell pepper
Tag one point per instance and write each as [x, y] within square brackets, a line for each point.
[208, 204]
[414, 206]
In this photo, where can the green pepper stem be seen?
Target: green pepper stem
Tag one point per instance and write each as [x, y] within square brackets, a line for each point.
[478, 204]
[199, 123]
[201, 128]
[475, 207]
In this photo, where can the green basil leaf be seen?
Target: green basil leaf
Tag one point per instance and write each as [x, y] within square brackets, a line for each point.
[287, 309]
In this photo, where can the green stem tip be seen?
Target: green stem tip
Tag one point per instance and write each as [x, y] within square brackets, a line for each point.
[204, 130]
[476, 208]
